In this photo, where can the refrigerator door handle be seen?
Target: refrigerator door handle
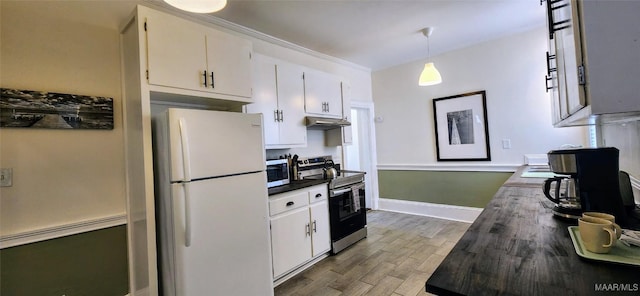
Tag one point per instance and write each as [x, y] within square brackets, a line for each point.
[187, 215]
[184, 141]
[186, 160]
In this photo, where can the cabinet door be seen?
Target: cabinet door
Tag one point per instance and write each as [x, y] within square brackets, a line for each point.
[291, 103]
[229, 64]
[320, 227]
[322, 94]
[347, 132]
[290, 240]
[569, 49]
[265, 98]
[176, 55]
[560, 104]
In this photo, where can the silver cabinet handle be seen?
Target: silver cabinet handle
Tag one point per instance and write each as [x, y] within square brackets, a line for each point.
[276, 116]
[213, 85]
[281, 116]
[315, 226]
[308, 229]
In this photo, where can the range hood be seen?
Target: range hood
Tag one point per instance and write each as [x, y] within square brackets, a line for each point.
[322, 123]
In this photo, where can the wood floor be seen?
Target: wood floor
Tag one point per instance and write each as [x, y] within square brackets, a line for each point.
[398, 256]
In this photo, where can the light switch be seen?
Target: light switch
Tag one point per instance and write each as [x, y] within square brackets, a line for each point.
[6, 177]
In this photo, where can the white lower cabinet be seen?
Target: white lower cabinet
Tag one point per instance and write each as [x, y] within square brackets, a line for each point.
[299, 228]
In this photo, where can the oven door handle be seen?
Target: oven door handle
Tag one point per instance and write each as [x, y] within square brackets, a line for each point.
[342, 191]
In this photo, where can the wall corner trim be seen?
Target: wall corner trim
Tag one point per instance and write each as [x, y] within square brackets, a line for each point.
[48, 233]
[448, 212]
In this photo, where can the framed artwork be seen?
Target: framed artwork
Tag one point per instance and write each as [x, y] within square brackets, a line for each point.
[41, 109]
[462, 133]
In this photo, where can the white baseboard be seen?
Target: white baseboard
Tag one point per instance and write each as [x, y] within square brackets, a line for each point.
[33, 236]
[449, 212]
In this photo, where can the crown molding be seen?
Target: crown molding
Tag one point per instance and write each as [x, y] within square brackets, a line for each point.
[208, 19]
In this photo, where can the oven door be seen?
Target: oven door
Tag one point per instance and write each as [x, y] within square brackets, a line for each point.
[347, 215]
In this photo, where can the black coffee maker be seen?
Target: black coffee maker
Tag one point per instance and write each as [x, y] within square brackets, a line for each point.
[595, 172]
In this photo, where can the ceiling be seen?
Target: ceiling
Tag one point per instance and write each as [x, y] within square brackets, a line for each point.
[375, 34]
[382, 33]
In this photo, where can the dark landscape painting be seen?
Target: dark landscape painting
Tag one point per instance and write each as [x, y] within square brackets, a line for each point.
[41, 109]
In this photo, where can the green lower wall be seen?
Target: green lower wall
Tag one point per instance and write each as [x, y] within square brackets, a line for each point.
[91, 263]
[470, 189]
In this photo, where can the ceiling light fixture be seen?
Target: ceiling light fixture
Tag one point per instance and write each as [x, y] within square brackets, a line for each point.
[198, 6]
[429, 75]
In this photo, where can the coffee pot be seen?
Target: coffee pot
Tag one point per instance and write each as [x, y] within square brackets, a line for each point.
[595, 186]
[566, 196]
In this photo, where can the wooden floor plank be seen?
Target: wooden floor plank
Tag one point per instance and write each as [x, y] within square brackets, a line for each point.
[397, 257]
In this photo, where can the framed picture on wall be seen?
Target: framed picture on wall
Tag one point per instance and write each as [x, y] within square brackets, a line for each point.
[462, 132]
[42, 109]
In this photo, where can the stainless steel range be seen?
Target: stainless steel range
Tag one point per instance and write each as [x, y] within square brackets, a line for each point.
[347, 209]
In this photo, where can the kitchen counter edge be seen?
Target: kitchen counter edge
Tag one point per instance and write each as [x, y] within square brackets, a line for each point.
[295, 185]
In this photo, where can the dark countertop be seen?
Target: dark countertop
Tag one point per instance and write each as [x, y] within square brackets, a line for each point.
[295, 185]
[517, 247]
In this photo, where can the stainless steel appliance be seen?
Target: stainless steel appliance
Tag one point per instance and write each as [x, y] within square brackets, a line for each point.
[595, 172]
[277, 172]
[347, 208]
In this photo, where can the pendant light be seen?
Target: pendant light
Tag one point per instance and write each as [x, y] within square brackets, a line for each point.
[429, 75]
[198, 6]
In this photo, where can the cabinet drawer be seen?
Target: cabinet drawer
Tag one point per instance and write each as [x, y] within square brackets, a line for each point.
[318, 194]
[286, 202]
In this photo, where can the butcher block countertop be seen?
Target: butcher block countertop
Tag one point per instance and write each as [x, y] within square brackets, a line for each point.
[517, 247]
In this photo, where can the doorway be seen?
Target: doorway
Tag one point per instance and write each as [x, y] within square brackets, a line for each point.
[361, 154]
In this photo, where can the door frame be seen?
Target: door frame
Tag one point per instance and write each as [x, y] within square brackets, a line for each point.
[373, 162]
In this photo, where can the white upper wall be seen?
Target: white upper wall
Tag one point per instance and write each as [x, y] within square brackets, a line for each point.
[511, 70]
[62, 177]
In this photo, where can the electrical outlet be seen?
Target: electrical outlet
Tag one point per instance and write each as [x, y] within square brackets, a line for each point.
[506, 143]
[6, 177]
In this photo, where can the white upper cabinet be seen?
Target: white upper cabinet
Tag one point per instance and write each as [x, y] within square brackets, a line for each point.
[229, 64]
[344, 135]
[293, 130]
[322, 94]
[592, 65]
[176, 54]
[279, 96]
[189, 56]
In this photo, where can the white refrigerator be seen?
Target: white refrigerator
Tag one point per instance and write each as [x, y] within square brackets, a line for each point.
[211, 203]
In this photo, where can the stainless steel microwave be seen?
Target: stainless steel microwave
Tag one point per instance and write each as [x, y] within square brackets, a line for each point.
[277, 172]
